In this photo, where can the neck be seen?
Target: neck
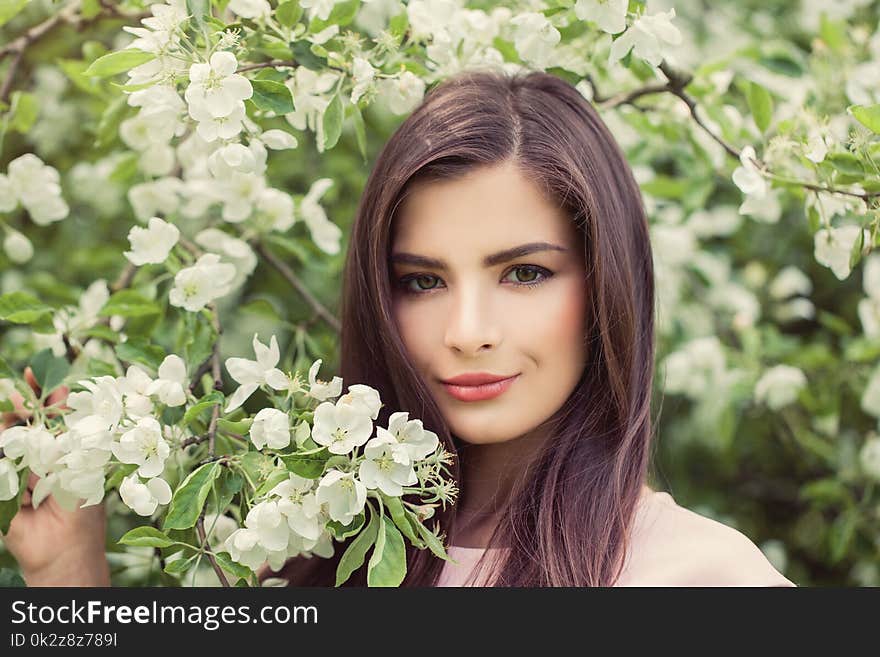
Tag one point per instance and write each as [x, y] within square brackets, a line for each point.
[489, 475]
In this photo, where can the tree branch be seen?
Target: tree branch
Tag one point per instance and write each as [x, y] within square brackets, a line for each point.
[677, 81]
[298, 285]
[200, 527]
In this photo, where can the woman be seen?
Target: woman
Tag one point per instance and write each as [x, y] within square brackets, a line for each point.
[501, 235]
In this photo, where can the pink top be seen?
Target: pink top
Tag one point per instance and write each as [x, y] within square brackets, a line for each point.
[670, 546]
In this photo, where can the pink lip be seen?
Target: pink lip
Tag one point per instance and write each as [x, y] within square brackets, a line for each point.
[479, 392]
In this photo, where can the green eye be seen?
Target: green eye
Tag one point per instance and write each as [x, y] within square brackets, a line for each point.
[526, 276]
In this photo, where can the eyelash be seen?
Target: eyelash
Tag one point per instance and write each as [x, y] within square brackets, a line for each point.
[403, 283]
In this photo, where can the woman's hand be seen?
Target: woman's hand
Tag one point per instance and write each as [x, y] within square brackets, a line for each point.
[55, 547]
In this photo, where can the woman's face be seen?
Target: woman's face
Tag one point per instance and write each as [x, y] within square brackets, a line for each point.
[519, 316]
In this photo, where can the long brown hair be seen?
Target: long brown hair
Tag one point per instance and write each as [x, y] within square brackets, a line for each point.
[568, 523]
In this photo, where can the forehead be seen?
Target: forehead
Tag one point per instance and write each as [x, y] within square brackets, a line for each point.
[488, 209]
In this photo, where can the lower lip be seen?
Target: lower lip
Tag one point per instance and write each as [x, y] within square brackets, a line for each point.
[479, 393]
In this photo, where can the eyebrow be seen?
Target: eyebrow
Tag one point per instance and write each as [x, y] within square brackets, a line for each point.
[489, 261]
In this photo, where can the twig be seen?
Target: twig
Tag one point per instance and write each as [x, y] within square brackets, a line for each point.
[200, 527]
[272, 64]
[298, 285]
[677, 81]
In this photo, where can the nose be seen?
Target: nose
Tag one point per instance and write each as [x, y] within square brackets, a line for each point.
[472, 323]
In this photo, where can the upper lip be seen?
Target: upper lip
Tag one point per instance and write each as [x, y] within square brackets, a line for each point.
[476, 379]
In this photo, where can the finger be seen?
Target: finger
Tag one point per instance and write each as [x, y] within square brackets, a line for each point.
[31, 379]
[58, 396]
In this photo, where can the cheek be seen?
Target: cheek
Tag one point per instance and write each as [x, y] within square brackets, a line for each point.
[415, 326]
[557, 325]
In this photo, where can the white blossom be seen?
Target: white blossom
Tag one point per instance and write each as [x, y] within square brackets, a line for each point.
[343, 494]
[144, 445]
[216, 87]
[788, 282]
[363, 397]
[235, 251]
[298, 503]
[869, 456]
[319, 389]
[609, 15]
[341, 427]
[151, 244]
[271, 427]
[870, 401]
[278, 208]
[412, 434]
[170, 386]
[278, 140]
[251, 374]
[318, 8]
[198, 285]
[18, 247]
[534, 38]
[403, 92]
[748, 177]
[324, 232]
[833, 247]
[779, 386]
[387, 466]
[144, 498]
[36, 186]
[8, 479]
[363, 75]
[250, 8]
[647, 37]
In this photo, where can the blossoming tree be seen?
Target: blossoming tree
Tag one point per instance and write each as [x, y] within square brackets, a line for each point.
[179, 147]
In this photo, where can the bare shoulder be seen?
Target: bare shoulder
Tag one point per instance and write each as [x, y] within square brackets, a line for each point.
[675, 546]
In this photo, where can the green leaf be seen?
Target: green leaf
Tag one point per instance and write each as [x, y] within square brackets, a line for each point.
[146, 537]
[23, 111]
[139, 350]
[272, 96]
[22, 308]
[842, 532]
[271, 481]
[332, 121]
[129, 303]
[198, 342]
[49, 370]
[8, 508]
[261, 307]
[179, 566]
[341, 532]
[310, 466]
[387, 565]
[433, 542]
[102, 332]
[398, 24]
[760, 105]
[239, 427]
[189, 498]
[198, 9]
[230, 483]
[395, 507]
[867, 115]
[353, 557]
[342, 14]
[360, 131]
[224, 560]
[288, 13]
[6, 372]
[304, 56]
[9, 578]
[208, 401]
[118, 62]
[9, 9]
